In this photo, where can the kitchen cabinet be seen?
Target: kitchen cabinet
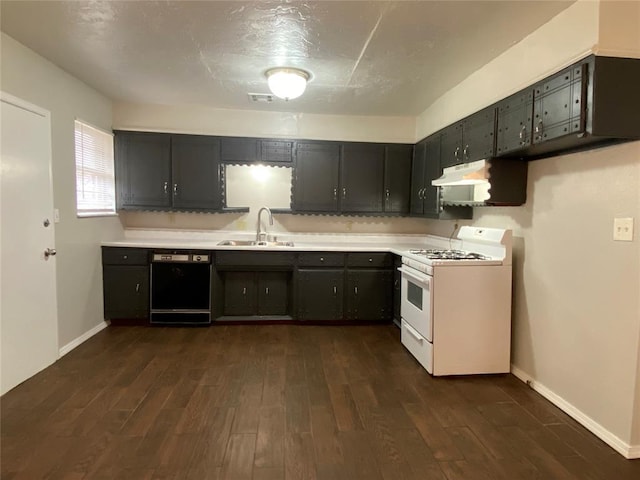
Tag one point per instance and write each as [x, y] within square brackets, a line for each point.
[469, 140]
[316, 177]
[125, 276]
[361, 177]
[167, 172]
[143, 170]
[250, 150]
[195, 169]
[263, 293]
[397, 178]
[320, 294]
[254, 284]
[514, 122]
[425, 198]
[369, 294]
[397, 289]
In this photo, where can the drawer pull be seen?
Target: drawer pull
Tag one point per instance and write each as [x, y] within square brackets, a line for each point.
[370, 259]
[322, 259]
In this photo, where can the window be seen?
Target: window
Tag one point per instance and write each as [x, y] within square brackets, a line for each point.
[95, 182]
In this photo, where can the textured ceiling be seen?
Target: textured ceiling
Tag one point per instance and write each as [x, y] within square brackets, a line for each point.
[365, 57]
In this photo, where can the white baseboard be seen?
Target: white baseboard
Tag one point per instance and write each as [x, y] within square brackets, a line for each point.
[615, 442]
[82, 338]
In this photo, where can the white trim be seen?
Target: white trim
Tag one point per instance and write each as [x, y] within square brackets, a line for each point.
[615, 442]
[82, 338]
[23, 104]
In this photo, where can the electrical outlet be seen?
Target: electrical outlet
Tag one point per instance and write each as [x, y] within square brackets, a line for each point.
[623, 229]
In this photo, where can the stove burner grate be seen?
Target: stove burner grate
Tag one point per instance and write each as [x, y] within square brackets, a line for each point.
[441, 254]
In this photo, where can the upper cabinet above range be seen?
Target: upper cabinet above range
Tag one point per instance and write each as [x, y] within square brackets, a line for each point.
[469, 140]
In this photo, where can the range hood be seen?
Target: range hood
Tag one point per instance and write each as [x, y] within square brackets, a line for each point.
[487, 182]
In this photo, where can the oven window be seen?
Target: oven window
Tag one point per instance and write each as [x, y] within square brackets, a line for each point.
[414, 294]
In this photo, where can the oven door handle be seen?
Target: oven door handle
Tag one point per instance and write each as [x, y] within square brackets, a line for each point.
[416, 275]
[412, 332]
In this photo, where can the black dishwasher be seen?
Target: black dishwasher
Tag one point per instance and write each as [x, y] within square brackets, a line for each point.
[181, 288]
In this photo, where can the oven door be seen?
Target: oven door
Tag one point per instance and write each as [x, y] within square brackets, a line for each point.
[416, 303]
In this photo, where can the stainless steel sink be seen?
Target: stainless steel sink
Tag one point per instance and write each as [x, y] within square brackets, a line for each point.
[253, 243]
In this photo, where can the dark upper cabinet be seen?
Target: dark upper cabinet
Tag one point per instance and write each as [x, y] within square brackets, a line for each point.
[239, 149]
[320, 294]
[515, 122]
[397, 178]
[361, 178]
[316, 177]
[195, 172]
[432, 170]
[559, 104]
[159, 171]
[143, 170]
[276, 151]
[418, 177]
[250, 150]
[469, 140]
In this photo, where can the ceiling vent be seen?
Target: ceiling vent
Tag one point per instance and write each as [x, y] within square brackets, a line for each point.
[260, 97]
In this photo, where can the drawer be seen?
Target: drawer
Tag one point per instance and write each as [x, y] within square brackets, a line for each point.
[373, 259]
[321, 259]
[419, 347]
[255, 259]
[125, 256]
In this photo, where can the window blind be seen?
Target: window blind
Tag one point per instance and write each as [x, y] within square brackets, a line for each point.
[95, 182]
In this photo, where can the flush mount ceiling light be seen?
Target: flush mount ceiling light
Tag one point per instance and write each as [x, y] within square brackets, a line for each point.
[287, 82]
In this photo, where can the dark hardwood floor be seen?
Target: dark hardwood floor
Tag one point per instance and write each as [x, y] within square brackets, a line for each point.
[283, 402]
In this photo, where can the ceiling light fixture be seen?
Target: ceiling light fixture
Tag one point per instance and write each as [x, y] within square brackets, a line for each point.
[287, 82]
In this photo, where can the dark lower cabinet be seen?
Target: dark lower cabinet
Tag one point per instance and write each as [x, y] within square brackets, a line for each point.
[126, 292]
[369, 295]
[397, 293]
[247, 294]
[239, 294]
[320, 294]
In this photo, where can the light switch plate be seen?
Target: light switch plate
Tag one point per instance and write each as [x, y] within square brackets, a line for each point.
[623, 229]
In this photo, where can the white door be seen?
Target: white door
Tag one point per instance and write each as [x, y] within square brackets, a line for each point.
[28, 311]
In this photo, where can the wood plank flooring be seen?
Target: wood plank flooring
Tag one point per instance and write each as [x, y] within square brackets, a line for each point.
[269, 402]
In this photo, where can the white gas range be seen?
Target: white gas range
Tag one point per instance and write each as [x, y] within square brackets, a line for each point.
[456, 302]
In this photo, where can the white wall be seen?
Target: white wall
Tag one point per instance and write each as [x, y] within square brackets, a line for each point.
[79, 275]
[576, 308]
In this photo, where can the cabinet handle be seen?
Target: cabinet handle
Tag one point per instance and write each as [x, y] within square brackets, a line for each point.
[456, 153]
[335, 290]
[335, 194]
[388, 194]
[266, 290]
[166, 187]
[465, 152]
[344, 193]
[244, 291]
[137, 287]
[175, 189]
[355, 290]
[523, 134]
[322, 259]
[370, 259]
[538, 129]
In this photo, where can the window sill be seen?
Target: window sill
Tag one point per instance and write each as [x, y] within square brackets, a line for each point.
[94, 215]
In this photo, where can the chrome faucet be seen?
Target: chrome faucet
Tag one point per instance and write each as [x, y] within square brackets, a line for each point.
[261, 235]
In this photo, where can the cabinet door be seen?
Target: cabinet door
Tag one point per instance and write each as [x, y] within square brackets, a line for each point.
[195, 162]
[417, 178]
[239, 149]
[320, 294]
[276, 151]
[240, 293]
[557, 105]
[478, 135]
[451, 146]
[361, 177]
[397, 178]
[432, 170]
[514, 124]
[126, 291]
[315, 185]
[369, 294]
[273, 293]
[143, 169]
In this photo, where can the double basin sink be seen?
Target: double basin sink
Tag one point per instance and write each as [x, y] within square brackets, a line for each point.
[254, 243]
